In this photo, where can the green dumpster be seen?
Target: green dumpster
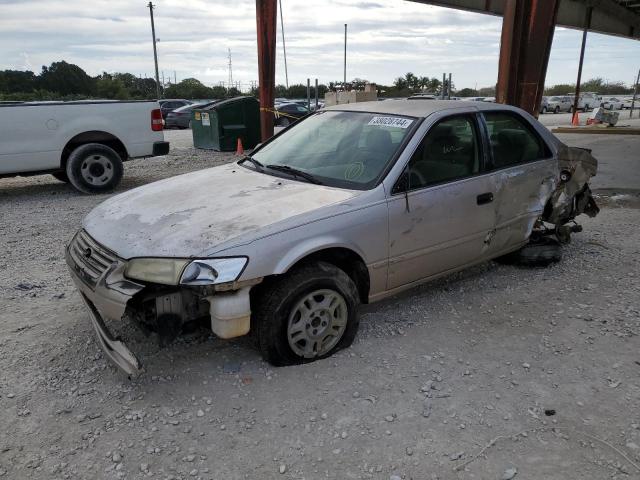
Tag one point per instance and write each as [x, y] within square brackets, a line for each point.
[218, 126]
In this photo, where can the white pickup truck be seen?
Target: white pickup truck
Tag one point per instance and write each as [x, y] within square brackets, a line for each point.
[83, 143]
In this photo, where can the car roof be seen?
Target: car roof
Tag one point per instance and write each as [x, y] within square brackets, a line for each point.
[414, 108]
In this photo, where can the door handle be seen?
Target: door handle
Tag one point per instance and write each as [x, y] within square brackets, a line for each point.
[484, 198]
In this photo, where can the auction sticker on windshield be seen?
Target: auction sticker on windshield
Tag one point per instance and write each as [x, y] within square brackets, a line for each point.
[391, 122]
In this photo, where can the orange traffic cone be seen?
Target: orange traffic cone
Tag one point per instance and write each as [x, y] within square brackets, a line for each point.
[575, 120]
[239, 148]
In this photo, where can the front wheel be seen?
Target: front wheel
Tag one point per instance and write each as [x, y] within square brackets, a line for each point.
[556, 110]
[284, 122]
[309, 314]
[544, 109]
[94, 168]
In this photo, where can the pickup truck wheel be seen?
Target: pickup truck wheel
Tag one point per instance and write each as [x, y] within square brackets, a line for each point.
[62, 176]
[309, 314]
[94, 168]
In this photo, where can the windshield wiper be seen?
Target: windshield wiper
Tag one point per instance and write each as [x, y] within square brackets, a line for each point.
[296, 173]
[255, 162]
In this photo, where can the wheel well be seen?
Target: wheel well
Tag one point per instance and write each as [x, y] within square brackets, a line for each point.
[346, 260]
[103, 138]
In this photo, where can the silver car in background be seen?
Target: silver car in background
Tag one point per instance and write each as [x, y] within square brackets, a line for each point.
[557, 104]
[351, 205]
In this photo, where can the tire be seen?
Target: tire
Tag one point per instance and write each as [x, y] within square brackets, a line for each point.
[611, 106]
[61, 175]
[283, 332]
[556, 110]
[541, 253]
[94, 168]
[544, 110]
[284, 122]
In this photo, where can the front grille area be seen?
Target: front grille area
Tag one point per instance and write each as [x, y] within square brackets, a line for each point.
[90, 256]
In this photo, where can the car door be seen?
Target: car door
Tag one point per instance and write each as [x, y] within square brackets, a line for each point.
[525, 172]
[440, 211]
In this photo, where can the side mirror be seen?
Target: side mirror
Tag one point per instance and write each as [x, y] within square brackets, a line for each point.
[403, 184]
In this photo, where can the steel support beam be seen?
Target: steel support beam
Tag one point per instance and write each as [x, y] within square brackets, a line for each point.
[266, 19]
[527, 35]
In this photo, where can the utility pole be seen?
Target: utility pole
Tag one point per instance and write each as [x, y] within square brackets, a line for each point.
[284, 48]
[230, 72]
[344, 83]
[155, 51]
[444, 85]
[316, 109]
[576, 100]
[635, 92]
[449, 88]
[175, 77]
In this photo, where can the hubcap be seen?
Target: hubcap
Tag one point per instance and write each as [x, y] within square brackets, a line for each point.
[317, 323]
[97, 170]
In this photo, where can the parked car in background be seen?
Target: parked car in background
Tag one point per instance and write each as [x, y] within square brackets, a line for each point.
[288, 113]
[169, 105]
[351, 205]
[544, 104]
[181, 117]
[83, 142]
[612, 103]
[557, 104]
[627, 101]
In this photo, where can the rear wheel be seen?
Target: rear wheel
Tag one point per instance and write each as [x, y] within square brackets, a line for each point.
[557, 109]
[309, 314]
[284, 122]
[94, 168]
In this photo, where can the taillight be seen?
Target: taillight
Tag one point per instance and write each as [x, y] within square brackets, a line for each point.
[156, 120]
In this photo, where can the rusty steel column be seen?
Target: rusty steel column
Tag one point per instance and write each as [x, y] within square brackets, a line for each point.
[527, 34]
[266, 20]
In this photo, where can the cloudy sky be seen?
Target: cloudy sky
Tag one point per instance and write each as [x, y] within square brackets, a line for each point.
[386, 38]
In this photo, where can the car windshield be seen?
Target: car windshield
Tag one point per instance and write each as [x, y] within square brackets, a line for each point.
[555, 99]
[340, 149]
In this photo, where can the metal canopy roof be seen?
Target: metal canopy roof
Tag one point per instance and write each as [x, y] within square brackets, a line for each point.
[611, 17]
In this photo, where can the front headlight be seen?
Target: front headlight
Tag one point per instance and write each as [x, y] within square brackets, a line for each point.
[166, 271]
[211, 271]
[174, 271]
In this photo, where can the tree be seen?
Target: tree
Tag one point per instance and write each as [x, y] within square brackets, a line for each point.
[400, 83]
[66, 79]
[189, 88]
[111, 87]
[467, 92]
[487, 92]
[218, 92]
[15, 81]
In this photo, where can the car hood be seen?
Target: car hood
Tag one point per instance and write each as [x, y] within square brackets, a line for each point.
[190, 215]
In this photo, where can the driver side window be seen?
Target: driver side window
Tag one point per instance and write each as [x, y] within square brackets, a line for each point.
[448, 152]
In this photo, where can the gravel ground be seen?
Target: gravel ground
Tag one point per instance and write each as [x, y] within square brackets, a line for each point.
[493, 373]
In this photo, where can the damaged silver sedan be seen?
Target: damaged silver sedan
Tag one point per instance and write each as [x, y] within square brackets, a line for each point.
[348, 206]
